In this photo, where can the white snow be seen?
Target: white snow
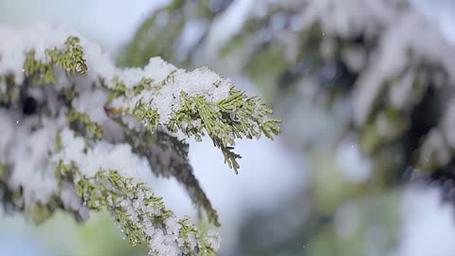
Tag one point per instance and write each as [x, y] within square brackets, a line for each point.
[102, 156]
[31, 169]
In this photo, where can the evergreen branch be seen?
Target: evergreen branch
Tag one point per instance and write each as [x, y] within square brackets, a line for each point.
[82, 124]
[235, 117]
[103, 166]
[70, 58]
[168, 157]
[141, 215]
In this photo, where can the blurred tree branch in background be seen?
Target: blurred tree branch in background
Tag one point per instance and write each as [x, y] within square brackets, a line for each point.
[365, 90]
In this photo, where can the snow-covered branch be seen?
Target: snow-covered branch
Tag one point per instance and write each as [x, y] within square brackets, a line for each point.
[80, 134]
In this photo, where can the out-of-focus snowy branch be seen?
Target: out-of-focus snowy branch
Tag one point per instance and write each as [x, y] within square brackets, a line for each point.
[365, 87]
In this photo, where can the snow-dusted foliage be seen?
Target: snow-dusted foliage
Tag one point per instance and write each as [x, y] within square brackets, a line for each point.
[80, 134]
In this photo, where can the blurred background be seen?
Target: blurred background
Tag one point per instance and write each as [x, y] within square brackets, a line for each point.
[365, 91]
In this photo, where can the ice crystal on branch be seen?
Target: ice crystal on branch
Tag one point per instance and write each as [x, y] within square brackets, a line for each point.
[95, 135]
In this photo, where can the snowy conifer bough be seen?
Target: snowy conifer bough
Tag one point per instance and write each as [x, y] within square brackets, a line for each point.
[80, 134]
